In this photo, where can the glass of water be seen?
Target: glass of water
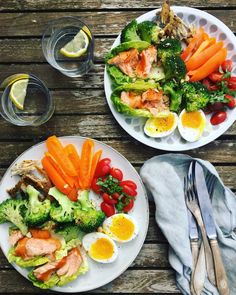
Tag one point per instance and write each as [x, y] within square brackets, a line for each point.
[56, 37]
[38, 105]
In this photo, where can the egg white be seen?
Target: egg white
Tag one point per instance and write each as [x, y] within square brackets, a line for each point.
[108, 222]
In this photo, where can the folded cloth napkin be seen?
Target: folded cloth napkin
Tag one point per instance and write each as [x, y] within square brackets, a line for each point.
[163, 176]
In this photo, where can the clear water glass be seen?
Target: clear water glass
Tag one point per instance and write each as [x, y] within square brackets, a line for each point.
[38, 105]
[57, 34]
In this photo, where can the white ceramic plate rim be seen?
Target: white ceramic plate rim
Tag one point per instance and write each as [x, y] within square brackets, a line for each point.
[144, 230]
[189, 145]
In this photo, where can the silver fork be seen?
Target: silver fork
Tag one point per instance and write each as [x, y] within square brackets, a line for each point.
[192, 204]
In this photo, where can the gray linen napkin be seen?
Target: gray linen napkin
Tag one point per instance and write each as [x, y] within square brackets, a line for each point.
[163, 176]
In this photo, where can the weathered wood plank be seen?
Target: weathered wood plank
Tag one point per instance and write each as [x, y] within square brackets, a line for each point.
[21, 5]
[132, 281]
[101, 23]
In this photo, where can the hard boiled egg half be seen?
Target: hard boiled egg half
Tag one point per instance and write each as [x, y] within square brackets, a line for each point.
[191, 125]
[120, 227]
[162, 125]
[100, 247]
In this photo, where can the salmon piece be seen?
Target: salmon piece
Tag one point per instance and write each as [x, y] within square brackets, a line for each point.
[15, 236]
[20, 249]
[73, 263]
[147, 58]
[38, 247]
[154, 101]
[132, 99]
[152, 95]
[126, 61]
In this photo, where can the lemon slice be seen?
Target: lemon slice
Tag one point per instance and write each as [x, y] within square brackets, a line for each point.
[18, 93]
[13, 78]
[77, 46]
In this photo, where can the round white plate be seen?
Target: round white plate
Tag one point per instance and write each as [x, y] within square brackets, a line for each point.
[98, 274]
[174, 142]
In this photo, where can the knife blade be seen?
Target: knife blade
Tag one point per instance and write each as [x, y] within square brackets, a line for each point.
[204, 201]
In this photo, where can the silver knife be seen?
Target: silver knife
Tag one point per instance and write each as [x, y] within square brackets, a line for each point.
[209, 223]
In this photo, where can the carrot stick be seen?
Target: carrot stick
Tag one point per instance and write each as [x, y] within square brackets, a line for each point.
[209, 67]
[95, 161]
[55, 177]
[40, 233]
[73, 195]
[56, 149]
[86, 163]
[73, 156]
[205, 44]
[198, 60]
[194, 44]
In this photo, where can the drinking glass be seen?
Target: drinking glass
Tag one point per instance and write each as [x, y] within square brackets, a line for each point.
[57, 34]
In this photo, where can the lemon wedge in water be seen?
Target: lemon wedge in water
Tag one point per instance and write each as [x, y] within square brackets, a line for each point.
[77, 46]
[18, 93]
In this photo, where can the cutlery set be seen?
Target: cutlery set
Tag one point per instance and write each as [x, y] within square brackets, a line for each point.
[207, 260]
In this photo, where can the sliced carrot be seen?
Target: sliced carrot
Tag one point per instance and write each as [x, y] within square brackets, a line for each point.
[95, 161]
[205, 36]
[86, 163]
[209, 67]
[194, 44]
[73, 194]
[197, 60]
[20, 249]
[55, 177]
[205, 44]
[40, 233]
[56, 149]
[73, 155]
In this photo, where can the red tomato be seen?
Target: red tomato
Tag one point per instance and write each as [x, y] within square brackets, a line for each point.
[103, 168]
[128, 207]
[232, 83]
[215, 77]
[209, 85]
[129, 190]
[108, 209]
[130, 183]
[218, 117]
[95, 187]
[105, 161]
[227, 65]
[116, 173]
[231, 104]
[108, 199]
[217, 106]
[115, 196]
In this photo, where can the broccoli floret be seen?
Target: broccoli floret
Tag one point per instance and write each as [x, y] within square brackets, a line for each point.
[174, 68]
[69, 231]
[168, 47]
[87, 217]
[129, 33]
[195, 96]
[63, 209]
[13, 210]
[38, 211]
[175, 93]
[148, 31]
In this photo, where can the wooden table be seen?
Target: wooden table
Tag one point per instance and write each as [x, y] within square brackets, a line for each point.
[81, 109]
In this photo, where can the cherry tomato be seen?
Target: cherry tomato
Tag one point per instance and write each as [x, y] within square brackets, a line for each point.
[231, 83]
[227, 65]
[215, 77]
[108, 209]
[108, 199]
[95, 187]
[209, 85]
[218, 117]
[129, 190]
[128, 207]
[103, 168]
[231, 104]
[130, 183]
[105, 161]
[116, 173]
[115, 196]
[217, 106]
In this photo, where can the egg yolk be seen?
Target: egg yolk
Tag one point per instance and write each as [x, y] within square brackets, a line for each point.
[164, 124]
[102, 249]
[122, 228]
[191, 119]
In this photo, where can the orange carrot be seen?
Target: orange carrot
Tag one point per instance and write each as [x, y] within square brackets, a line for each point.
[73, 155]
[198, 60]
[86, 163]
[20, 249]
[73, 195]
[205, 44]
[56, 149]
[40, 233]
[95, 161]
[209, 67]
[193, 45]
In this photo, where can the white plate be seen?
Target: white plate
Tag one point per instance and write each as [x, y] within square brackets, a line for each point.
[174, 142]
[99, 274]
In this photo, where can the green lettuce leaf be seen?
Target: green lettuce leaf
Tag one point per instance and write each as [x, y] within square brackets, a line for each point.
[117, 75]
[139, 45]
[54, 279]
[64, 251]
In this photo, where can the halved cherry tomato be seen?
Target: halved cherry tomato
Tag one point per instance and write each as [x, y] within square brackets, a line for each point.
[130, 183]
[103, 168]
[116, 173]
[218, 117]
[108, 199]
[215, 77]
[231, 104]
[209, 85]
[231, 83]
[115, 196]
[108, 209]
[128, 207]
[129, 190]
[105, 161]
[227, 65]
[95, 187]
